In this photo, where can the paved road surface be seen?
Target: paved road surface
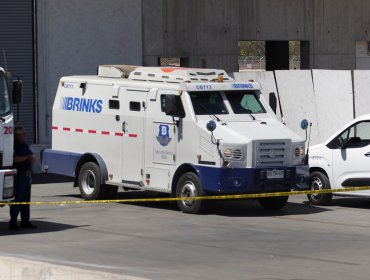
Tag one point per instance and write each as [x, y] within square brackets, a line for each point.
[235, 240]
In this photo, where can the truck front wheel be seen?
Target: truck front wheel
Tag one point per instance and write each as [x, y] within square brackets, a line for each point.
[89, 182]
[319, 181]
[273, 203]
[189, 185]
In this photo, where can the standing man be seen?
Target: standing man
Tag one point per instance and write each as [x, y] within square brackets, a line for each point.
[23, 159]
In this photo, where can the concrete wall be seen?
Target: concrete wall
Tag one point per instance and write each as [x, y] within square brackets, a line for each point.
[75, 36]
[327, 98]
[211, 29]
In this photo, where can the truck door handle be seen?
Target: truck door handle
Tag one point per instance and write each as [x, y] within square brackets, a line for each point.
[367, 154]
[124, 127]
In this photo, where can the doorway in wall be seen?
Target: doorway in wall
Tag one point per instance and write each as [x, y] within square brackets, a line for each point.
[173, 61]
[273, 55]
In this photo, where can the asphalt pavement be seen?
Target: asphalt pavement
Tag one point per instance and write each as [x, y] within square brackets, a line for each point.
[233, 240]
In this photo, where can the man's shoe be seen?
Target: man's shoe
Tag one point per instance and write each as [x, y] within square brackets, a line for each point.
[28, 225]
[13, 227]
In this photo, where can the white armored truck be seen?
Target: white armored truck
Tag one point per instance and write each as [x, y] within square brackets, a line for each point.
[186, 132]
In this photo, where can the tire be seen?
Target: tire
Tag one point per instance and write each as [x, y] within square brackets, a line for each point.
[273, 203]
[189, 185]
[319, 181]
[89, 183]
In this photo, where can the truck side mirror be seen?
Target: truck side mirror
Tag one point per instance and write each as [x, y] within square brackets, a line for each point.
[304, 124]
[273, 101]
[173, 106]
[17, 91]
[211, 126]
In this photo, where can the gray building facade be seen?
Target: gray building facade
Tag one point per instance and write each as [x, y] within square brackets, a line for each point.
[58, 38]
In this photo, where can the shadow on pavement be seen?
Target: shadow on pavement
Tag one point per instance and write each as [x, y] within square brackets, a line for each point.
[42, 227]
[350, 202]
[45, 178]
[228, 208]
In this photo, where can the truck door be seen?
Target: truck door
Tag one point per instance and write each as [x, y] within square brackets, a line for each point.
[134, 134]
[161, 142]
[351, 165]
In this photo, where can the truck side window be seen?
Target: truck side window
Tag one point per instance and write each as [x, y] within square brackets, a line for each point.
[135, 106]
[163, 102]
[114, 104]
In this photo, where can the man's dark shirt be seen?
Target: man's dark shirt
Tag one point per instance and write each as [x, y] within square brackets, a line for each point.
[22, 150]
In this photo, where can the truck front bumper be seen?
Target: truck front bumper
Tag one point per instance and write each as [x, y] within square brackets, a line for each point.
[252, 180]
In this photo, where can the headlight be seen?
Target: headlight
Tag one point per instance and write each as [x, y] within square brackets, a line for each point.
[8, 182]
[298, 151]
[228, 153]
[233, 154]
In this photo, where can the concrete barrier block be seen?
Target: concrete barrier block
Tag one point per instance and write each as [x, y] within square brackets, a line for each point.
[334, 100]
[362, 92]
[298, 100]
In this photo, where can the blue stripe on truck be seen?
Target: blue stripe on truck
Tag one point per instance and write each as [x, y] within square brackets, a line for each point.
[246, 180]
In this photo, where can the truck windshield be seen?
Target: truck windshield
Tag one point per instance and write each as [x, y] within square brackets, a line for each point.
[245, 102]
[213, 102]
[208, 103]
[4, 96]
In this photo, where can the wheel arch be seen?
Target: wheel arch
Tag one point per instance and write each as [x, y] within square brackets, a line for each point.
[319, 169]
[182, 169]
[92, 157]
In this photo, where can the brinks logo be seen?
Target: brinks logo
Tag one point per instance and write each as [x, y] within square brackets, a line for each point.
[82, 104]
[163, 136]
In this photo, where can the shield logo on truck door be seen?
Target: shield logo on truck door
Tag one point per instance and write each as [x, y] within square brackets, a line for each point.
[163, 136]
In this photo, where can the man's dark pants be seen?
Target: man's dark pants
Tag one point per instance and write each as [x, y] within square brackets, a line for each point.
[22, 194]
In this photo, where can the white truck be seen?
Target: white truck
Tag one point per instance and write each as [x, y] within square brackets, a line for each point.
[186, 132]
[7, 172]
[342, 161]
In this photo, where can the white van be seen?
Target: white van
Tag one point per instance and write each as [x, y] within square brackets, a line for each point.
[342, 161]
[186, 132]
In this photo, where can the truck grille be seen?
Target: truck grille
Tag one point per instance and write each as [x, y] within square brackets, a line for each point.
[270, 153]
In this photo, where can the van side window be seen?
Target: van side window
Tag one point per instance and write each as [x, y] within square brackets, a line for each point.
[114, 104]
[135, 106]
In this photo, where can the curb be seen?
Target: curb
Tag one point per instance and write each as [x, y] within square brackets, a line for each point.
[19, 269]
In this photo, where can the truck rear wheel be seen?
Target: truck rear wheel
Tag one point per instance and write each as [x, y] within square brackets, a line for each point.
[319, 181]
[273, 203]
[189, 185]
[89, 182]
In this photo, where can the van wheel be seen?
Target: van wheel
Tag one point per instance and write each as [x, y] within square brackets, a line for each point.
[319, 181]
[273, 203]
[189, 186]
[89, 179]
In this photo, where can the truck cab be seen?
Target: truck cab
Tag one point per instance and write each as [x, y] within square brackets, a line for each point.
[187, 132]
[7, 172]
[342, 161]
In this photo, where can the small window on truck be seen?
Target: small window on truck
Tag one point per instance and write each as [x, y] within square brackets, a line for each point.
[163, 102]
[135, 106]
[114, 104]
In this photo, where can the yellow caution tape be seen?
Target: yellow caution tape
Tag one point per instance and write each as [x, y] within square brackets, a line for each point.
[213, 197]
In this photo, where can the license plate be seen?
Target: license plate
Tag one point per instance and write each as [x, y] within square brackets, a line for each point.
[275, 174]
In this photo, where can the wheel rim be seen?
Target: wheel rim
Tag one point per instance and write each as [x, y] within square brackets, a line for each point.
[188, 190]
[315, 186]
[88, 182]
